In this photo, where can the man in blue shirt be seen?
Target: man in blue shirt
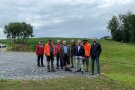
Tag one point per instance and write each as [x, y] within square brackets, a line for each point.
[65, 53]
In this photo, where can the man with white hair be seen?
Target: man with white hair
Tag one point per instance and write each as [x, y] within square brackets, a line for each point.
[59, 59]
[95, 54]
[79, 54]
[65, 53]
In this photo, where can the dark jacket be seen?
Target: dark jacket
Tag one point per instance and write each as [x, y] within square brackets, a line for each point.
[62, 51]
[72, 50]
[81, 52]
[96, 50]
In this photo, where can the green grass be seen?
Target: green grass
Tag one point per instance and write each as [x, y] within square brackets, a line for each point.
[76, 83]
[32, 42]
[117, 66]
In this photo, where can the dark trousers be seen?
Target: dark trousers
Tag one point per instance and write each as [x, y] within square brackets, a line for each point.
[50, 59]
[72, 62]
[59, 61]
[86, 60]
[97, 62]
[40, 59]
[66, 60]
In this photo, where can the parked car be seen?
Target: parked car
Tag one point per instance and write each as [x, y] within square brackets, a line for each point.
[2, 46]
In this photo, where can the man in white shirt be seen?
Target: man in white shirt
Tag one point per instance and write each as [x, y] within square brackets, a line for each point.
[79, 54]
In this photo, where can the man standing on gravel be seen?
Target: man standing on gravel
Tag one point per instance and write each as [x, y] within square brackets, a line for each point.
[79, 54]
[65, 53]
[49, 51]
[40, 53]
[72, 46]
[95, 54]
[58, 57]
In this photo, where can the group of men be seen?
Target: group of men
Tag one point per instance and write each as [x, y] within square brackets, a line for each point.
[69, 56]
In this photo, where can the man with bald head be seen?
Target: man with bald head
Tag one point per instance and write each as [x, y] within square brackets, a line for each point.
[79, 54]
[95, 54]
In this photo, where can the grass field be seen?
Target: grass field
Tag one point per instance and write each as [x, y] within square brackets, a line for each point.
[117, 67]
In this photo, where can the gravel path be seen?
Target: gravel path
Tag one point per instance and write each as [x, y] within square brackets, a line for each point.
[23, 65]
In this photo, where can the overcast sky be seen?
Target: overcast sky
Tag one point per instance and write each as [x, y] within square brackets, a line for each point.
[64, 18]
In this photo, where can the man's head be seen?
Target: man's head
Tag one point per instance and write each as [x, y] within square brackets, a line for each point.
[85, 41]
[72, 41]
[50, 41]
[40, 42]
[94, 39]
[58, 42]
[64, 42]
[79, 42]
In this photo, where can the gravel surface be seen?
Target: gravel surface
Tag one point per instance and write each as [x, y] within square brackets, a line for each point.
[23, 65]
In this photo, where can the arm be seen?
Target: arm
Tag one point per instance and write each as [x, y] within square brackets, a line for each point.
[91, 50]
[54, 50]
[45, 47]
[100, 49]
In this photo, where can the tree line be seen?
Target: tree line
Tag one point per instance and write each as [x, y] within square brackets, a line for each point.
[18, 32]
[122, 27]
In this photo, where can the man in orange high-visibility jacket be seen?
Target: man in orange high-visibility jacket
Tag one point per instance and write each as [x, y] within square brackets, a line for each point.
[87, 48]
[49, 51]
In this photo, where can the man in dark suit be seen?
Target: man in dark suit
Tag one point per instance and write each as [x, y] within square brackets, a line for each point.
[95, 54]
[79, 55]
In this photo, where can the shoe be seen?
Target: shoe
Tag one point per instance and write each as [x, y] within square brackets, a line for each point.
[92, 74]
[78, 70]
[49, 71]
[43, 66]
[72, 66]
[57, 68]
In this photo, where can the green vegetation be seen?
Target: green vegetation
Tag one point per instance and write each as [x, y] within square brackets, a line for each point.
[123, 27]
[76, 83]
[18, 32]
[117, 66]
[31, 43]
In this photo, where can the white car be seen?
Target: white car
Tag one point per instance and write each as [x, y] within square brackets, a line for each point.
[2, 45]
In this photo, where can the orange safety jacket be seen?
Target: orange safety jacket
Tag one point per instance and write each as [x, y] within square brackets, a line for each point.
[87, 48]
[47, 49]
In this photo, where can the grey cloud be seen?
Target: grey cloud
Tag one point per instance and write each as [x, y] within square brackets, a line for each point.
[84, 18]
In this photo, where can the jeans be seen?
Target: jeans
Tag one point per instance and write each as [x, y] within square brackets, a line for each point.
[79, 62]
[86, 60]
[97, 62]
[66, 61]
